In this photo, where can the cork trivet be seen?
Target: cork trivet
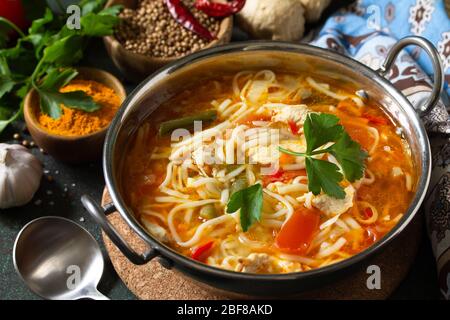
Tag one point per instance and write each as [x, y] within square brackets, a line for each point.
[154, 282]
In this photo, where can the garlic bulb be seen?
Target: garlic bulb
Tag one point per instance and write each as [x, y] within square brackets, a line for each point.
[20, 175]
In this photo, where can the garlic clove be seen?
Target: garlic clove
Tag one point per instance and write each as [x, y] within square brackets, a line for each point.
[20, 175]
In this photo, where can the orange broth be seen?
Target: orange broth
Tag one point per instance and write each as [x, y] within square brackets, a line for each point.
[390, 163]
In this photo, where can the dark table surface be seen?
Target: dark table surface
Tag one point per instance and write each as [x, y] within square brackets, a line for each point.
[61, 197]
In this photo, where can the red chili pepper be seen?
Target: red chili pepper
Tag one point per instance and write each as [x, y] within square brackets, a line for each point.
[368, 213]
[375, 119]
[217, 9]
[198, 253]
[184, 17]
[294, 127]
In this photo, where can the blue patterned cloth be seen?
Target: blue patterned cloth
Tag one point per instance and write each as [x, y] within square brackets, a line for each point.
[366, 30]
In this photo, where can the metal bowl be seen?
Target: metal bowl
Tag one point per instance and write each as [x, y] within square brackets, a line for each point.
[277, 56]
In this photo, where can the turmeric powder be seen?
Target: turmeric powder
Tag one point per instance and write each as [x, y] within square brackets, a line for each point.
[74, 122]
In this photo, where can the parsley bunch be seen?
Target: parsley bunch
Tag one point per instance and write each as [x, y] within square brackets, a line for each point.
[42, 58]
[320, 130]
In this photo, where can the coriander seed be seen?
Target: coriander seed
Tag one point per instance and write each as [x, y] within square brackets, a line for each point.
[151, 30]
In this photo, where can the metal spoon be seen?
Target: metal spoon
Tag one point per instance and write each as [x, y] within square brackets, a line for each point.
[58, 259]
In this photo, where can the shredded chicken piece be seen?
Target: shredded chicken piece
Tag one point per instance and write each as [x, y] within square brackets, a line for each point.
[263, 154]
[333, 206]
[256, 263]
[297, 114]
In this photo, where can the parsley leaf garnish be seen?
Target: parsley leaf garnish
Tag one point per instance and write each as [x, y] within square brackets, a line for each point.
[249, 201]
[324, 175]
[350, 156]
[322, 129]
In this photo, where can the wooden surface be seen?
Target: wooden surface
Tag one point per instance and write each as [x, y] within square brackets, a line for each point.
[153, 282]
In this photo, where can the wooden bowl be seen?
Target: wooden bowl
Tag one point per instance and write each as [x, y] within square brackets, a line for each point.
[71, 149]
[136, 67]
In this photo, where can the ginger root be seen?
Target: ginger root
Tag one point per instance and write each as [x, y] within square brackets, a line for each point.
[281, 19]
[273, 20]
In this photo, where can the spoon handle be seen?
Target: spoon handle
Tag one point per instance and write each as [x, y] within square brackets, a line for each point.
[95, 295]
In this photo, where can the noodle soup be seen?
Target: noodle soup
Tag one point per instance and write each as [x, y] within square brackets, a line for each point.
[287, 173]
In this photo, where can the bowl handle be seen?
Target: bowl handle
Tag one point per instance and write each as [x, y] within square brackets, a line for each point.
[437, 68]
[99, 216]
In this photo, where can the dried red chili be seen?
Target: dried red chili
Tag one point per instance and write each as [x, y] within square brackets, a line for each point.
[217, 9]
[184, 17]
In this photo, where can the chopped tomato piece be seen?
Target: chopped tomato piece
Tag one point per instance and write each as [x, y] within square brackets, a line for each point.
[294, 127]
[297, 233]
[282, 175]
[201, 252]
[375, 119]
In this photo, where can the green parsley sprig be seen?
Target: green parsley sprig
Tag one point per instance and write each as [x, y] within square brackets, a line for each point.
[320, 130]
[249, 201]
[42, 59]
